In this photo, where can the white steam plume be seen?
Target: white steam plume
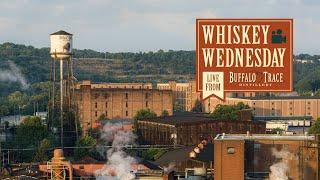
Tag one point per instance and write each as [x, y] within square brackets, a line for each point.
[280, 170]
[119, 163]
[13, 75]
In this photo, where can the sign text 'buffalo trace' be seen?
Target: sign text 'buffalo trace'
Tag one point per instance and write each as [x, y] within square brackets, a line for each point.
[243, 55]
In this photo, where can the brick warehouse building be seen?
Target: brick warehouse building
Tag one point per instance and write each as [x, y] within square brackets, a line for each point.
[294, 106]
[242, 156]
[184, 94]
[191, 129]
[118, 101]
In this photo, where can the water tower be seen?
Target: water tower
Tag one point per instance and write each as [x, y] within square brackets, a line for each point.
[61, 50]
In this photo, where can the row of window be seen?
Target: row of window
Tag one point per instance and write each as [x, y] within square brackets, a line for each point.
[272, 103]
[106, 113]
[106, 104]
[106, 95]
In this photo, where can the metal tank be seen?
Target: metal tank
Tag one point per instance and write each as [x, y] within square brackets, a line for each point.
[61, 45]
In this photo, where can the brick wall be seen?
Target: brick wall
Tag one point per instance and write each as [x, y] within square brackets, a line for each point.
[118, 103]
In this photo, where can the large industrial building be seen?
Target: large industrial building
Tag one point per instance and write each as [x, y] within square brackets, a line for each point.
[265, 157]
[274, 106]
[192, 129]
[184, 94]
[118, 101]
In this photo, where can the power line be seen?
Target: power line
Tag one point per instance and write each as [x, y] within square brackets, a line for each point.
[141, 147]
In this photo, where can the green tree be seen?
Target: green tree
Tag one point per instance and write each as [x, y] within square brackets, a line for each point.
[29, 134]
[177, 107]
[241, 105]
[43, 152]
[31, 131]
[142, 114]
[17, 98]
[153, 154]
[197, 106]
[277, 130]
[4, 110]
[315, 128]
[228, 112]
[165, 113]
[85, 146]
[102, 117]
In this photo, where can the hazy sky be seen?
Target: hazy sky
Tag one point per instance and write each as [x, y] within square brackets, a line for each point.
[144, 25]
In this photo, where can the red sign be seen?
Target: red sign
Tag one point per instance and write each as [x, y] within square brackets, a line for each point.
[251, 55]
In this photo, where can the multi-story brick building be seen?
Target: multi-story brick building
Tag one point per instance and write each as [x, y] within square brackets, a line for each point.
[257, 156]
[294, 106]
[118, 101]
[184, 94]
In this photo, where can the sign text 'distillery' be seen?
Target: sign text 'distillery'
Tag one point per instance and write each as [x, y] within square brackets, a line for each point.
[243, 55]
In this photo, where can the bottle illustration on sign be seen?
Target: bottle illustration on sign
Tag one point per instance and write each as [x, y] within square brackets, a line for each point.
[277, 37]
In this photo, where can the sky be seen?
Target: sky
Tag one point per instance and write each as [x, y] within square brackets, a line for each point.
[145, 25]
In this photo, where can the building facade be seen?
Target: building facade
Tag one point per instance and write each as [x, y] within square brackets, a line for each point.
[294, 106]
[257, 156]
[118, 101]
[184, 94]
[191, 129]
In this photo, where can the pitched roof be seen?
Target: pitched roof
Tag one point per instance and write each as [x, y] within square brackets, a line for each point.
[61, 32]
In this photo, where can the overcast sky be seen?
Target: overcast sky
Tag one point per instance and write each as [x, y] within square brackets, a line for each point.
[145, 25]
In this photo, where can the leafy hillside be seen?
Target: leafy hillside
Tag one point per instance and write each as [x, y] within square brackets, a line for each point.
[20, 63]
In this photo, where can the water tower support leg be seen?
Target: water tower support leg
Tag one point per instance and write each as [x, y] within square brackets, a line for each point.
[61, 101]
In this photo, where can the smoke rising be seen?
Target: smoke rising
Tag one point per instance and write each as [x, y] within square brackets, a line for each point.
[13, 75]
[119, 163]
[280, 169]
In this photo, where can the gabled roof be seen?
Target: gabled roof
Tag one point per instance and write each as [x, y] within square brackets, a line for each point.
[61, 32]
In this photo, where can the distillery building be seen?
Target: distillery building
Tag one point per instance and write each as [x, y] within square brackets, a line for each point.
[118, 101]
[261, 156]
[184, 94]
[273, 106]
[190, 129]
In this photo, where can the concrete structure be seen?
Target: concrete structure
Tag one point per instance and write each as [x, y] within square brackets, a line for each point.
[286, 125]
[238, 157]
[59, 168]
[184, 94]
[191, 129]
[273, 106]
[118, 101]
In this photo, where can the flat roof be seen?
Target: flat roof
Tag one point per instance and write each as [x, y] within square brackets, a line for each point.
[263, 137]
[278, 97]
[190, 118]
[269, 118]
[125, 89]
